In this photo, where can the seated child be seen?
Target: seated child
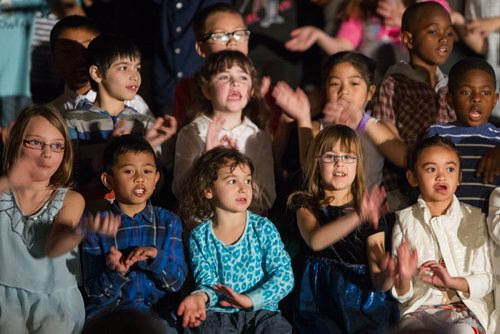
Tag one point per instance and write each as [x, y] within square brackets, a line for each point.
[240, 267]
[69, 39]
[412, 95]
[230, 113]
[144, 263]
[339, 221]
[114, 64]
[494, 228]
[444, 274]
[41, 227]
[471, 92]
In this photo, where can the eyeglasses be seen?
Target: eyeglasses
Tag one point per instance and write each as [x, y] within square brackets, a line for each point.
[331, 158]
[224, 37]
[38, 145]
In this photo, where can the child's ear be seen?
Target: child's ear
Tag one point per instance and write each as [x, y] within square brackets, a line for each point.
[205, 92]
[407, 39]
[157, 177]
[371, 92]
[199, 49]
[208, 193]
[412, 178]
[95, 74]
[107, 180]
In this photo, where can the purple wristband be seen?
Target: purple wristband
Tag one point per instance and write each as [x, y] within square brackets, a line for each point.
[364, 121]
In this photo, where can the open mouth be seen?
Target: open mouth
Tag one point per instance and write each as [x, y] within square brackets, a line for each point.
[475, 114]
[441, 188]
[139, 191]
[234, 95]
[340, 174]
[443, 51]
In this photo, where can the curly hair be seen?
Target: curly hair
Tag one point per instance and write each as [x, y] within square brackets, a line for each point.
[194, 206]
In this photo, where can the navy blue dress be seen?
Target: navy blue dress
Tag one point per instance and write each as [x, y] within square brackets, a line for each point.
[336, 294]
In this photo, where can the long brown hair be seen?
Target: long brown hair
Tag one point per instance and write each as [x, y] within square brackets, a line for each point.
[325, 141]
[12, 152]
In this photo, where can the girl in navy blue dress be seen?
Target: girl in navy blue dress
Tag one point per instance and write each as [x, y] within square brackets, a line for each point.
[347, 270]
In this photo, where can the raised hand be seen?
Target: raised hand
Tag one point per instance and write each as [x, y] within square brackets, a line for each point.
[193, 310]
[294, 103]
[391, 11]
[338, 113]
[489, 166]
[105, 223]
[120, 128]
[162, 130]
[232, 298]
[484, 26]
[407, 261]
[114, 260]
[213, 133]
[19, 175]
[372, 206]
[302, 38]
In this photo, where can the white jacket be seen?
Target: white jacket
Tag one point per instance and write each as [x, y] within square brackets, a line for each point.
[494, 228]
[461, 237]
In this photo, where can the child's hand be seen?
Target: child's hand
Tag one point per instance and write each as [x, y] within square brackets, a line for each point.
[391, 11]
[436, 274]
[489, 166]
[120, 128]
[264, 85]
[162, 130]
[213, 133]
[372, 206]
[5, 132]
[407, 261]
[114, 261]
[339, 113]
[141, 254]
[388, 266]
[484, 26]
[293, 102]
[106, 223]
[302, 38]
[193, 310]
[233, 299]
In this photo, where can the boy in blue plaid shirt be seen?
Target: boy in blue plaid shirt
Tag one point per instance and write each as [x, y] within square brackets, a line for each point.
[144, 264]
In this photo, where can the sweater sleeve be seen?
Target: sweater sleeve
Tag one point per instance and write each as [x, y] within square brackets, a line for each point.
[188, 148]
[397, 238]
[494, 217]
[205, 276]
[277, 266]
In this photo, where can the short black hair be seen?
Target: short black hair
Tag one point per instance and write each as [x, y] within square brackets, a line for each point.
[414, 12]
[416, 151]
[106, 48]
[202, 16]
[465, 65]
[124, 144]
[73, 22]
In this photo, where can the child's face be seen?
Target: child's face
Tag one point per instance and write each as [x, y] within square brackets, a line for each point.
[474, 98]
[222, 22]
[44, 145]
[346, 83]
[436, 174]
[121, 81]
[431, 42]
[337, 177]
[133, 179]
[230, 90]
[232, 191]
[68, 57]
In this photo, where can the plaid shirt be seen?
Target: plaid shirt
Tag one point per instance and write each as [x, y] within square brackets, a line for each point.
[408, 102]
[147, 283]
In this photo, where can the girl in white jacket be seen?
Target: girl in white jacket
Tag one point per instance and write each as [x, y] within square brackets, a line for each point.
[494, 228]
[444, 276]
